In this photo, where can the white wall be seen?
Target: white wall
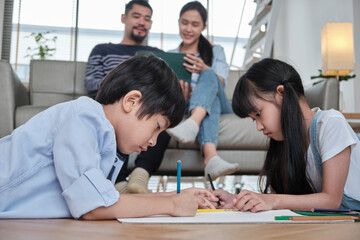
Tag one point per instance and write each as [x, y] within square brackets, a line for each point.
[356, 14]
[298, 38]
[2, 5]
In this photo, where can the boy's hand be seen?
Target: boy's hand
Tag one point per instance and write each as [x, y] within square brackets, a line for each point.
[205, 198]
[185, 204]
[254, 202]
[189, 200]
[226, 198]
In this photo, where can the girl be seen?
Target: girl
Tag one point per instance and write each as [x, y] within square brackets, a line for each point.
[208, 100]
[313, 159]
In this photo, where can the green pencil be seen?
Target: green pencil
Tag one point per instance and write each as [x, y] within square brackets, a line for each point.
[315, 218]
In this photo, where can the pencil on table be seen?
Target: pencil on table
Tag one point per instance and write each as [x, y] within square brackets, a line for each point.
[329, 210]
[316, 218]
[213, 188]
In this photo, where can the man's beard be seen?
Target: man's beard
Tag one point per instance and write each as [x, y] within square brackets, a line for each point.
[136, 38]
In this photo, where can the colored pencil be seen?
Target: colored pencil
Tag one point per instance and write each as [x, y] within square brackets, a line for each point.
[212, 187]
[329, 210]
[178, 176]
[316, 218]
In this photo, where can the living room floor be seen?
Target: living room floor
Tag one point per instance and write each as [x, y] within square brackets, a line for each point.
[230, 183]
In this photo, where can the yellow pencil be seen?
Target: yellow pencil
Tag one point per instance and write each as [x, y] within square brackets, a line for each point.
[215, 210]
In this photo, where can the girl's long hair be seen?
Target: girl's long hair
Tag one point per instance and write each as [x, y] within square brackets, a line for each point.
[204, 46]
[285, 163]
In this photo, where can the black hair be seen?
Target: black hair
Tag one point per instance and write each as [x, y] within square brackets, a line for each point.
[158, 84]
[130, 4]
[204, 46]
[285, 162]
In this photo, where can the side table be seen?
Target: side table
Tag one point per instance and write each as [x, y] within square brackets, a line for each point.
[354, 121]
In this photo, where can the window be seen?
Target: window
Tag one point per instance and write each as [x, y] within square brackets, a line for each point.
[40, 16]
[100, 22]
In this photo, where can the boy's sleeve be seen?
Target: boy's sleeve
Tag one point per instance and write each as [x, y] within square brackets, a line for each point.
[77, 160]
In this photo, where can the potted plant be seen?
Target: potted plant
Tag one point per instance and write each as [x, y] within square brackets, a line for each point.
[45, 46]
[340, 78]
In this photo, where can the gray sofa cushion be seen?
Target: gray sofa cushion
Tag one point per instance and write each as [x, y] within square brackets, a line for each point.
[234, 133]
[324, 95]
[240, 134]
[53, 81]
[250, 161]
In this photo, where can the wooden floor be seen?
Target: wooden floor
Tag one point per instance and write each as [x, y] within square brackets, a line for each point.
[63, 229]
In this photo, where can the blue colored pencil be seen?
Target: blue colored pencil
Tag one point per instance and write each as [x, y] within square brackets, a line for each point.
[178, 175]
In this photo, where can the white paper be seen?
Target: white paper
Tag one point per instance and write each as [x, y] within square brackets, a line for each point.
[217, 217]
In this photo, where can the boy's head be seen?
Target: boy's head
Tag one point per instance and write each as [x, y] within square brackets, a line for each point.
[160, 89]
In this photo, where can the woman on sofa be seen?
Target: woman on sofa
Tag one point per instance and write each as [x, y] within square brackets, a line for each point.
[208, 99]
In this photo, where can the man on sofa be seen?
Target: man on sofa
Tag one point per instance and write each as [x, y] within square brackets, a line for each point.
[105, 57]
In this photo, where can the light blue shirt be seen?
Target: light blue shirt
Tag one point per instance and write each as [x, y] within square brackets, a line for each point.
[219, 65]
[56, 165]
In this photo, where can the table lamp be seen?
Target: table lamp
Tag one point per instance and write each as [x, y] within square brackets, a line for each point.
[337, 49]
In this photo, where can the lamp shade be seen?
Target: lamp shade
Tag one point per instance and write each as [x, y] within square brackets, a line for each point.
[337, 48]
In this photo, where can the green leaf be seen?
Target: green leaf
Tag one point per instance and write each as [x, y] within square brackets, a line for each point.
[341, 78]
[42, 50]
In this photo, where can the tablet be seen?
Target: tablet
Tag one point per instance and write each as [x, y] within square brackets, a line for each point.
[175, 61]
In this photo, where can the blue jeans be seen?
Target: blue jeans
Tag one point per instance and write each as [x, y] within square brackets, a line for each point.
[209, 94]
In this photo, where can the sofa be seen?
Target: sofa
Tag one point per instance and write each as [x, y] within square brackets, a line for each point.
[54, 81]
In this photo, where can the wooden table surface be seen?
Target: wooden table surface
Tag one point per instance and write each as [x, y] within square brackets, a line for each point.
[352, 115]
[63, 229]
[354, 120]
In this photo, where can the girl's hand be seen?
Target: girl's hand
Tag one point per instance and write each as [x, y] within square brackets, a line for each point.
[194, 64]
[254, 202]
[226, 198]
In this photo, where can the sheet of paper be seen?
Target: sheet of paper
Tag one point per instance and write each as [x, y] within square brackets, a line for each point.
[217, 217]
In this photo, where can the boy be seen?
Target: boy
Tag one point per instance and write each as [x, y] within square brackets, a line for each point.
[63, 162]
